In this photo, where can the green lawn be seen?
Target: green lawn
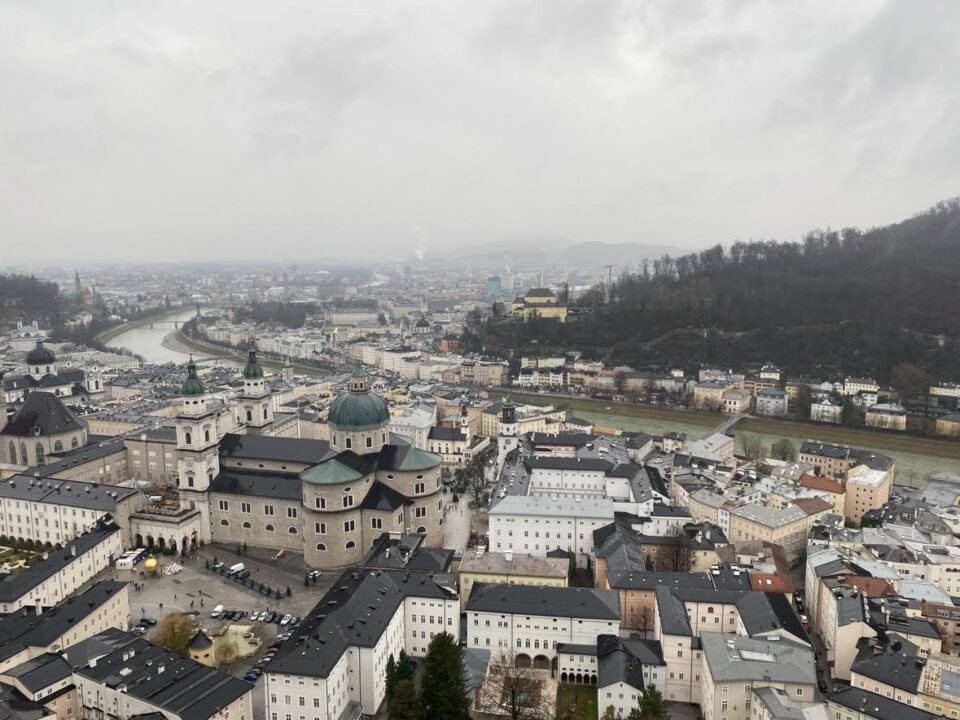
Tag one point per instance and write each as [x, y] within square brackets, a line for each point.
[585, 699]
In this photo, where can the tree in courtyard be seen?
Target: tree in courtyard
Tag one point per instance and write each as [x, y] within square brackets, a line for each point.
[404, 704]
[515, 691]
[391, 678]
[645, 620]
[443, 689]
[783, 449]
[652, 706]
[173, 632]
[678, 550]
[572, 567]
[404, 667]
[609, 714]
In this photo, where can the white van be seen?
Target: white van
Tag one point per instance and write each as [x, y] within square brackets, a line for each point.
[216, 612]
[234, 569]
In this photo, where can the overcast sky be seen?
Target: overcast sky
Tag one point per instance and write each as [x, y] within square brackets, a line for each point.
[304, 129]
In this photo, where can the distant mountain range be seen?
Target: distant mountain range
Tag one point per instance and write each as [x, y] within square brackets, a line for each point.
[537, 254]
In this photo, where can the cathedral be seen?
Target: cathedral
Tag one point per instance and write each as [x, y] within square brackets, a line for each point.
[326, 500]
[44, 373]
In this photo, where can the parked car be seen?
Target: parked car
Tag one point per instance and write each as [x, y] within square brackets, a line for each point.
[271, 616]
[251, 676]
[216, 612]
[314, 574]
[217, 565]
[148, 621]
[242, 575]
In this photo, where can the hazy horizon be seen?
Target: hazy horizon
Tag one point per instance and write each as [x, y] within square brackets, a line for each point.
[302, 130]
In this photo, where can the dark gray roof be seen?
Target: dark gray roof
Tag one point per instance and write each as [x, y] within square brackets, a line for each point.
[102, 643]
[447, 433]
[354, 613]
[563, 439]
[278, 449]
[406, 552]
[166, 680]
[42, 413]
[14, 705]
[382, 497]
[893, 661]
[14, 586]
[78, 456]
[74, 493]
[873, 705]
[40, 672]
[557, 602]
[568, 463]
[25, 628]
[673, 614]
[623, 660]
[258, 484]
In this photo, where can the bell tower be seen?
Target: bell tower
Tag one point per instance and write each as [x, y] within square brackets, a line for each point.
[198, 448]
[255, 402]
[507, 437]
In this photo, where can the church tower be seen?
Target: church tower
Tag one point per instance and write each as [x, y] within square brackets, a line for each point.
[256, 403]
[198, 448]
[507, 438]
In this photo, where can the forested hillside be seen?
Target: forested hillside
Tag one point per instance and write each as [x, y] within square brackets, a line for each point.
[24, 297]
[840, 301]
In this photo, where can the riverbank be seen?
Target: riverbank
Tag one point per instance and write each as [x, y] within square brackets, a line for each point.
[179, 342]
[916, 457]
[107, 335]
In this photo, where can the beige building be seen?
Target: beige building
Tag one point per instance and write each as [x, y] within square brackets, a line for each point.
[948, 425]
[867, 489]
[787, 528]
[41, 426]
[708, 395]
[539, 303]
[510, 569]
[887, 417]
[735, 401]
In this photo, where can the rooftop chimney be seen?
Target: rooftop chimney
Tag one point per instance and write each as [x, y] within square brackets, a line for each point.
[508, 555]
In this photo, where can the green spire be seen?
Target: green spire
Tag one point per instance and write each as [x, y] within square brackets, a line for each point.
[252, 369]
[193, 385]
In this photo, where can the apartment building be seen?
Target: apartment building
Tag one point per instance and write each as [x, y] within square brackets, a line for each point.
[61, 572]
[335, 666]
[509, 568]
[535, 525]
[529, 622]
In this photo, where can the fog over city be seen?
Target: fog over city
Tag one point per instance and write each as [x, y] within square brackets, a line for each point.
[368, 130]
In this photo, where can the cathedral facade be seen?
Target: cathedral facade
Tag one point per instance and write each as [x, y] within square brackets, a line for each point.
[326, 500]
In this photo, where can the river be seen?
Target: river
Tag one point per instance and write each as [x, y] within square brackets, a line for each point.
[147, 341]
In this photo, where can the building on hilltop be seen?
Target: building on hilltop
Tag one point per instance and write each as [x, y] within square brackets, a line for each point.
[539, 303]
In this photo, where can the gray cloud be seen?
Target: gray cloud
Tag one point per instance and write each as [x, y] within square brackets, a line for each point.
[222, 128]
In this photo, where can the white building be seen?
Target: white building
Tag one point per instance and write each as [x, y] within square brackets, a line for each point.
[415, 424]
[771, 402]
[336, 665]
[826, 410]
[535, 525]
[531, 622]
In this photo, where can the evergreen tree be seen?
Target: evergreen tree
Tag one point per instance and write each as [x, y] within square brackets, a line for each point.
[391, 683]
[404, 667]
[652, 705]
[405, 705]
[443, 691]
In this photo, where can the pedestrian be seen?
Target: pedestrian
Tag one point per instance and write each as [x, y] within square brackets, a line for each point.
[161, 606]
[191, 603]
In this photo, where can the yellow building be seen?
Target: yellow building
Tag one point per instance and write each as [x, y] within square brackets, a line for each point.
[479, 566]
[709, 395]
[540, 303]
[948, 425]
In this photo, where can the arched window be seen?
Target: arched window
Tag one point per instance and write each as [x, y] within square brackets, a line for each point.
[246, 525]
[57, 446]
[40, 455]
[206, 434]
[348, 443]
[369, 441]
[421, 530]
[225, 522]
[264, 413]
[269, 528]
[13, 452]
[292, 531]
[187, 437]
[321, 547]
[23, 453]
[350, 545]
[249, 416]
[74, 443]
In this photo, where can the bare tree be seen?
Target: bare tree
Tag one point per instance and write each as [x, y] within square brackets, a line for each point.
[678, 549]
[515, 691]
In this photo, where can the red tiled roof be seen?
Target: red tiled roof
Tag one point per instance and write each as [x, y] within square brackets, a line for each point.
[812, 506]
[818, 482]
[769, 582]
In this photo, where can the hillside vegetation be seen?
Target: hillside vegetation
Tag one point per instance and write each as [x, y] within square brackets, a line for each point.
[839, 301]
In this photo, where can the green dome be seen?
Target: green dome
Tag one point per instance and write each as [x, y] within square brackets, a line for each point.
[192, 385]
[252, 369]
[358, 408]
